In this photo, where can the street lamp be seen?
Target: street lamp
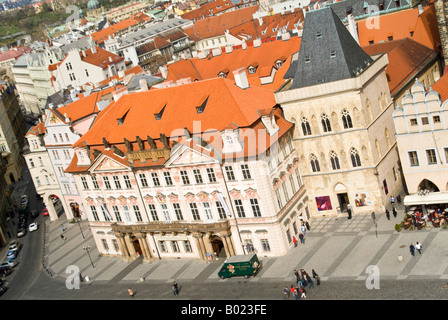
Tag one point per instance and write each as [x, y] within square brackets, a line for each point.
[79, 224]
[87, 248]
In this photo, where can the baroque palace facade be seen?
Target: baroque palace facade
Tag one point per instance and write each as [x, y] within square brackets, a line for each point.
[191, 170]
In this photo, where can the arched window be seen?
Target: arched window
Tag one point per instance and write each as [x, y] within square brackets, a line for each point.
[354, 155]
[334, 161]
[314, 163]
[346, 119]
[325, 123]
[306, 127]
[387, 135]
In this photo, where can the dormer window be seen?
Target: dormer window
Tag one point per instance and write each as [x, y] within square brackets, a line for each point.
[307, 59]
[319, 34]
[333, 54]
[278, 64]
[252, 70]
[158, 116]
[229, 140]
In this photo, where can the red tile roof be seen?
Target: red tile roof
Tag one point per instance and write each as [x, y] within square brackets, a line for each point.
[101, 58]
[37, 130]
[441, 86]
[402, 24]
[264, 56]
[213, 7]
[13, 53]
[217, 25]
[406, 58]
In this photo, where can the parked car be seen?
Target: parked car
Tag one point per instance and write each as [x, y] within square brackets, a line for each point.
[45, 212]
[5, 271]
[34, 213]
[33, 227]
[3, 290]
[15, 245]
[12, 254]
[9, 263]
[21, 232]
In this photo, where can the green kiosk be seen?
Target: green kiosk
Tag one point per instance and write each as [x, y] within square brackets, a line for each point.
[242, 265]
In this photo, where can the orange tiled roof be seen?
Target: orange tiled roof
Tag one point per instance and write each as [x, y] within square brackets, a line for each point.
[214, 7]
[37, 130]
[406, 58]
[402, 24]
[101, 57]
[217, 25]
[264, 56]
[441, 86]
[103, 35]
[179, 110]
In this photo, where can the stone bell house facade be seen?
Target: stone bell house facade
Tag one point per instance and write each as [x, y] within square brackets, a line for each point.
[339, 99]
[189, 192]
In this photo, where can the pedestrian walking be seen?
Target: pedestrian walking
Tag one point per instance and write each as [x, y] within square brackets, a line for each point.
[297, 293]
[294, 240]
[394, 212]
[412, 249]
[131, 293]
[387, 214]
[302, 238]
[63, 237]
[349, 212]
[307, 225]
[303, 292]
[302, 227]
[296, 273]
[310, 281]
[175, 288]
[317, 278]
[286, 292]
[293, 290]
[419, 247]
[313, 273]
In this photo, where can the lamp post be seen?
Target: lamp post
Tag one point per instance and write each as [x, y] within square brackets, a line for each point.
[78, 221]
[87, 248]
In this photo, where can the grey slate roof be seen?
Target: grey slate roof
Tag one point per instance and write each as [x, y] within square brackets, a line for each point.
[327, 52]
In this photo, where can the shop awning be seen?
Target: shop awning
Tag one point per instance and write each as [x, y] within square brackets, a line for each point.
[430, 198]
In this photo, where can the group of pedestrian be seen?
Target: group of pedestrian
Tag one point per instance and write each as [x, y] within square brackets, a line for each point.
[394, 212]
[303, 280]
[303, 228]
[418, 246]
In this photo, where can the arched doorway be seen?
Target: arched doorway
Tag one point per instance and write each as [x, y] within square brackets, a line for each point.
[11, 177]
[428, 185]
[341, 192]
[217, 246]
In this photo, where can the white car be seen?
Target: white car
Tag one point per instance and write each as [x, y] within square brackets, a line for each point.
[33, 227]
[9, 263]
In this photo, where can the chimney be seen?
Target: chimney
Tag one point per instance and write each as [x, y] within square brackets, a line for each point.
[110, 59]
[229, 49]
[420, 9]
[241, 78]
[164, 71]
[244, 45]
[216, 52]
[257, 42]
[286, 36]
[352, 27]
[143, 85]
[94, 48]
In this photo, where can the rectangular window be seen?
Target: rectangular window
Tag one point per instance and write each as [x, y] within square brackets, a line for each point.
[255, 207]
[184, 176]
[194, 211]
[175, 246]
[178, 212]
[187, 246]
[153, 212]
[162, 246]
[413, 122]
[446, 154]
[436, 119]
[279, 199]
[168, 180]
[116, 246]
[117, 182]
[117, 213]
[239, 208]
[95, 183]
[84, 183]
[207, 210]
[413, 159]
[431, 156]
[285, 191]
[165, 212]
[127, 214]
[293, 185]
[105, 246]
[211, 175]
[425, 120]
[143, 181]
[127, 182]
[246, 172]
[221, 211]
[94, 213]
[155, 179]
[105, 214]
[197, 176]
[137, 213]
[229, 173]
[106, 182]
[265, 245]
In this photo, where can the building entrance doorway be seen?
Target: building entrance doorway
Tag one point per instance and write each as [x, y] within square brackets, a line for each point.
[343, 201]
[137, 247]
[217, 246]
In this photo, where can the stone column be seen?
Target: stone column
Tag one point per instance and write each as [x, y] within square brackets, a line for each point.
[200, 244]
[228, 245]
[132, 253]
[122, 245]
